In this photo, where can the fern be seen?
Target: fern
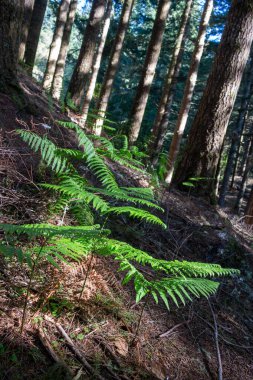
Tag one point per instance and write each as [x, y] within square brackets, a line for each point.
[138, 214]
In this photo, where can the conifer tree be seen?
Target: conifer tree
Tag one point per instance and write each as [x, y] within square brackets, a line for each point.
[249, 209]
[32, 42]
[149, 68]
[113, 64]
[159, 129]
[11, 16]
[188, 91]
[238, 131]
[28, 10]
[61, 61]
[96, 66]
[206, 136]
[56, 43]
[87, 53]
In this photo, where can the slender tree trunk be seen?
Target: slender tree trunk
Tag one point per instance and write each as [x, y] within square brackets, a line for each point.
[111, 71]
[32, 42]
[243, 184]
[87, 52]
[159, 130]
[209, 127]
[61, 61]
[96, 66]
[249, 209]
[188, 92]
[11, 16]
[148, 73]
[236, 137]
[28, 10]
[246, 149]
[56, 43]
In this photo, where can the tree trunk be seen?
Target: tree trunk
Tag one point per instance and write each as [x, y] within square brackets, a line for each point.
[237, 133]
[148, 73]
[188, 92]
[28, 10]
[209, 127]
[61, 61]
[96, 66]
[11, 15]
[87, 52]
[159, 130]
[249, 209]
[56, 43]
[243, 184]
[111, 71]
[32, 42]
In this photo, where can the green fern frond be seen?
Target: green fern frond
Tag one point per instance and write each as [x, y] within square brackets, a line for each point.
[46, 148]
[138, 214]
[49, 230]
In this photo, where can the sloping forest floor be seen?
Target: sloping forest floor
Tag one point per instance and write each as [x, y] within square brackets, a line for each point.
[181, 344]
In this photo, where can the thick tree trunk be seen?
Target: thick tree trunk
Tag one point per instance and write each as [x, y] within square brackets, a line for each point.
[111, 71]
[56, 43]
[249, 209]
[32, 42]
[87, 52]
[28, 10]
[237, 133]
[188, 92]
[148, 73]
[209, 127]
[159, 130]
[61, 61]
[243, 184]
[11, 15]
[96, 66]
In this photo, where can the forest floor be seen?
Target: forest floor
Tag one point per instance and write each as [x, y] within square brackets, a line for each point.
[183, 344]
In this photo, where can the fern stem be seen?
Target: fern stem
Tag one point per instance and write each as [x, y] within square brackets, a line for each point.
[140, 319]
[29, 287]
[86, 277]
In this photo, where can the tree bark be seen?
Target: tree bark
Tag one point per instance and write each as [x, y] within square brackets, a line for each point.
[96, 66]
[56, 44]
[243, 184]
[32, 42]
[159, 130]
[209, 127]
[188, 91]
[148, 73]
[11, 15]
[28, 10]
[87, 52]
[111, 71]
[61, 61]
[239, 127]
[249, 209]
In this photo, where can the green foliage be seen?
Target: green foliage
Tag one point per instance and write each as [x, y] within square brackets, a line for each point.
[172, 281]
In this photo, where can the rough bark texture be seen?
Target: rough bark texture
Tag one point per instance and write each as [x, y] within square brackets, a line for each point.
[61, 61]
[159, 129]
[87, 52]
[96, 66]
[39, 10]
[148, 73]
[28, 10]
[239, 127]
[111, 71]
[56, 43]
[209, 127]
[11, 14]
[249, 209]
[188, 91]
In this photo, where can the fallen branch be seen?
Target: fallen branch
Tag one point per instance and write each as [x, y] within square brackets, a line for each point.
[168, 332]
[75, 350]
[216, 337]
